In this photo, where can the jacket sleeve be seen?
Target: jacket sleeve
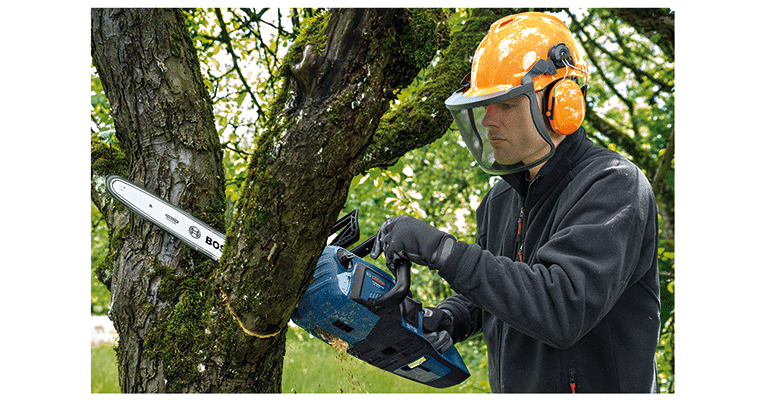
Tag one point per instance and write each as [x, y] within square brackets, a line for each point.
[466, 316]
[581, 270]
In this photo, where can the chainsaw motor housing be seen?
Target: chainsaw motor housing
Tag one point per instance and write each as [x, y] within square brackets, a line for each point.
[356, 306]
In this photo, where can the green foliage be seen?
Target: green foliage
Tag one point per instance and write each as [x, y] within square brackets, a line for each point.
[106, 155]
[665, 356]
[100, 107]
[631, 85]
[100, 294]
[436, 183]
[106, 158]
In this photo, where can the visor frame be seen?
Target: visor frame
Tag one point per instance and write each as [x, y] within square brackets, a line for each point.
[457, 101]
[459, 105]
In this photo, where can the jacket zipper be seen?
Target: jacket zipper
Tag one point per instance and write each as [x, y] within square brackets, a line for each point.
[572, 383]
[520, 237]
[522, 222]
[520, 256]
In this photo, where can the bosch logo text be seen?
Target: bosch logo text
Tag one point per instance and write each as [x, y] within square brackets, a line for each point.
[214, 244]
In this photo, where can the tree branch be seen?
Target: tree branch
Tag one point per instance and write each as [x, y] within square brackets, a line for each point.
[641, 157]
[664, 164]
[657, 24]
[587, 39]
[225, 36]
[425, 118]
[300, 171]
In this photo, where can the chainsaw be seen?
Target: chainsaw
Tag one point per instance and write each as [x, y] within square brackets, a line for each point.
[351, 305]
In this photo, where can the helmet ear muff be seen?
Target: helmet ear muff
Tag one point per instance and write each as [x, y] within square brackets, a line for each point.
[565, 106]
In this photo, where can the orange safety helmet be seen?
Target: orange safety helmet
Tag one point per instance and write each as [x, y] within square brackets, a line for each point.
[522, 54]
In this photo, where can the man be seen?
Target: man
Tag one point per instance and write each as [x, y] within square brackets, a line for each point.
[563, 277]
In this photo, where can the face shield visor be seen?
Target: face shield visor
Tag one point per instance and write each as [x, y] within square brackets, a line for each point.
[468, 113]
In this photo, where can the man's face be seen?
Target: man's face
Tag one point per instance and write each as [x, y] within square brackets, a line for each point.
[512, 131]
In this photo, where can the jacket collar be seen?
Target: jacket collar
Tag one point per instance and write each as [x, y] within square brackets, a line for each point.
[554, 168]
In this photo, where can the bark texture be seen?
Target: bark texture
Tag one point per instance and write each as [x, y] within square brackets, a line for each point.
[161, 306]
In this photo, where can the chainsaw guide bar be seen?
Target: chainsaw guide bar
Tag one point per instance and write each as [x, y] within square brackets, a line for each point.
[173, 220]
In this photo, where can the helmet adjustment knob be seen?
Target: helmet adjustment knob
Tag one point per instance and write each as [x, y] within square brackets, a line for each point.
[558, 54]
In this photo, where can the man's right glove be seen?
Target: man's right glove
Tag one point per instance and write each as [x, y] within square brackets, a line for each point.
[408, 237]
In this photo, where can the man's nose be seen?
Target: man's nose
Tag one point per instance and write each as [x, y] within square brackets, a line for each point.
[489, 116]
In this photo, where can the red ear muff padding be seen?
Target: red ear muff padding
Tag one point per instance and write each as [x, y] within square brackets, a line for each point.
[566, 107]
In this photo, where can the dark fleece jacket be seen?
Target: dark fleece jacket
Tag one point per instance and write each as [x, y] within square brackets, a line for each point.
[563, 277]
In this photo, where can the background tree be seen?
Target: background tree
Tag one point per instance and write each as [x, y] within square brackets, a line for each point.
[290, 124]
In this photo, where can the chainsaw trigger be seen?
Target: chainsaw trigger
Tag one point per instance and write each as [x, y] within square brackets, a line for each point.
[345, 258]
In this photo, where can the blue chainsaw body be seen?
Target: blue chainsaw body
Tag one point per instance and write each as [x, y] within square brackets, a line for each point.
[345, 303]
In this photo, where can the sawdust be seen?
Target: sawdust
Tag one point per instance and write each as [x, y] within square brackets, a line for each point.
[249, 332]
[347, 364]
[333, 341]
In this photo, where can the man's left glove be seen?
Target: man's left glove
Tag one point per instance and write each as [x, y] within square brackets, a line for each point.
[407, 237]
[440, 340]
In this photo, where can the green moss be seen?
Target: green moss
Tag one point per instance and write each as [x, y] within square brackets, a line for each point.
[214, 214]
[168, 281]
[180, 335]
[424, 118]
[119, 353]
[103, 271]
[333, 112]
[107, 158]
[314, 35]
[261, 183]
[425, 31]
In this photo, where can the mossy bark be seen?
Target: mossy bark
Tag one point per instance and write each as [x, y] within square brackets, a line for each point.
[337, 84]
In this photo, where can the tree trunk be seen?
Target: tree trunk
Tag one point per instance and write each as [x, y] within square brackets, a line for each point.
[184, 325]
[339, 80]
[163, 305]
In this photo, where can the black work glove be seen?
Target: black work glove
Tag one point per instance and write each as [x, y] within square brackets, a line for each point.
[435, 319]
[407, 237]
[437, 327]
[440, 340]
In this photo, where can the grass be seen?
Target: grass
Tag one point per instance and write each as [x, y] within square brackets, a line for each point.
[104, 370]
[310, 366]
